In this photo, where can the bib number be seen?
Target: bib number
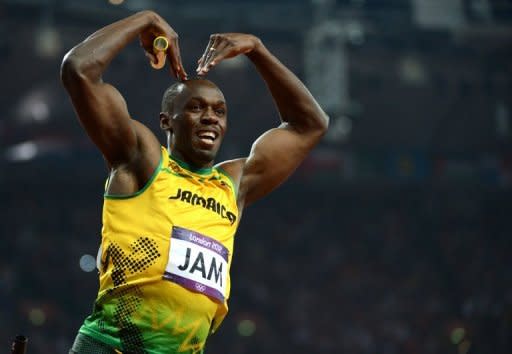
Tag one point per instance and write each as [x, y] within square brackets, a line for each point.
[198, 263]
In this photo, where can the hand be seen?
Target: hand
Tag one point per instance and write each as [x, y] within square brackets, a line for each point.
[224, 46]
[161, 28]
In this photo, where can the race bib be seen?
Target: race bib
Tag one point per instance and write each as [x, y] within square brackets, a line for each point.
[198, 263]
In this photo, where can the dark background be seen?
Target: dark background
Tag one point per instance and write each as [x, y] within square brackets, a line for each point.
[394, 235]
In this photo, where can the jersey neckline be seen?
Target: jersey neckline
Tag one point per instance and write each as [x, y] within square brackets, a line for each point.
[188, 167]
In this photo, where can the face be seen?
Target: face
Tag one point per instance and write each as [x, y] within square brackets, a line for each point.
[198, 122]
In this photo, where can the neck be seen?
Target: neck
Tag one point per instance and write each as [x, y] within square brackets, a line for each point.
[193, 161]
[188, 165]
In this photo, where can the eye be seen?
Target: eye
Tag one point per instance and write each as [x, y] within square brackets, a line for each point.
[195, 107]
[220, 111]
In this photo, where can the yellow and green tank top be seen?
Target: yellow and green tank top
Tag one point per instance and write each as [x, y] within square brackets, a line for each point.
[164, 261]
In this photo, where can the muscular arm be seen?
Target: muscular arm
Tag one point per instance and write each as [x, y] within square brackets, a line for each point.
[100, 107]
[279, 151]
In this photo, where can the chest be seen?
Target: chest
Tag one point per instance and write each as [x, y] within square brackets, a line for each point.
[200, 200]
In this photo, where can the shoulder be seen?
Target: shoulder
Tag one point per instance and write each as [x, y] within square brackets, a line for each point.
[234, 168]
[131, 176]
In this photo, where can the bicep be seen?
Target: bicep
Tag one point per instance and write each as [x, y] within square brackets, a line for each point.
[274, 157]
[104, 115]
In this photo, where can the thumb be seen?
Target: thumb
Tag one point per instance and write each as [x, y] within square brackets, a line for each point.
[159, 60]
[150, 56]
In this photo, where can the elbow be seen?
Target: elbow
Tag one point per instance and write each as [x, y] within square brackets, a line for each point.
[71, 69]
[68, 70]
[315, 125]
[74, 69]
[323, 121]
[320, 124]
[319, 121]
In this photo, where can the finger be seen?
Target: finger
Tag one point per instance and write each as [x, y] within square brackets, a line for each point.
[182, 73]
[207, 51]
[151, 57]
[173, 51]
[203, 57]
[160, 60]
[148, 46]
[175, 60]
[208, 58]
[157, 52]
[217, 54]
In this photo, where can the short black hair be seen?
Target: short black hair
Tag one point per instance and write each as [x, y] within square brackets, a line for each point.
[169, 96]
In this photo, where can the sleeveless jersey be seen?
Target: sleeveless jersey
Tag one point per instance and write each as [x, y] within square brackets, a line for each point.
[164, 261]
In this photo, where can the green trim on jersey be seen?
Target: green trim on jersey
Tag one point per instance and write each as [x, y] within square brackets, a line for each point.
[188, 167]
[223, 172]
[148, 183]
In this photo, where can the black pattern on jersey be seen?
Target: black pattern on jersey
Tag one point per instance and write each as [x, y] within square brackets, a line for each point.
[144, 254]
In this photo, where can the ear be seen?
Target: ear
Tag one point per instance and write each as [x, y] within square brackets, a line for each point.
[165, 121]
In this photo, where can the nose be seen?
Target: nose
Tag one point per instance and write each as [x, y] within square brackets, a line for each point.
[209, 117]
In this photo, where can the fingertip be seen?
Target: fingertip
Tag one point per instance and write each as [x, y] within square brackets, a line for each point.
[174, 71]
[182, 72]
[151, 57]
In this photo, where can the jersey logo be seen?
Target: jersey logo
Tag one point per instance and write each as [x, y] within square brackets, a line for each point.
[206, 203]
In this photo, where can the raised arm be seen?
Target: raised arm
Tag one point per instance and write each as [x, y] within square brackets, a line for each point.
[100, 107]
[279, 151]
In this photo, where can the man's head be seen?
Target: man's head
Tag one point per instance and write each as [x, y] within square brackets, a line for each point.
[194, 113]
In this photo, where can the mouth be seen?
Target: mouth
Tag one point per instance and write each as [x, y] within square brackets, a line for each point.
[207, 137]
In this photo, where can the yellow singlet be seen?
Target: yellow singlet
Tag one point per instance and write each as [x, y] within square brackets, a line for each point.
[164, 261]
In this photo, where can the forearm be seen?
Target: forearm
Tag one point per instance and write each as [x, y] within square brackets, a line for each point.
[91, 57]
[295, 103]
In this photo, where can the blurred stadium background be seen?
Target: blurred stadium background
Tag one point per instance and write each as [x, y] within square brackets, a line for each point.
[394, 237]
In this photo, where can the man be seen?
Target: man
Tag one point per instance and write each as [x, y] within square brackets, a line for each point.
[170, 214]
